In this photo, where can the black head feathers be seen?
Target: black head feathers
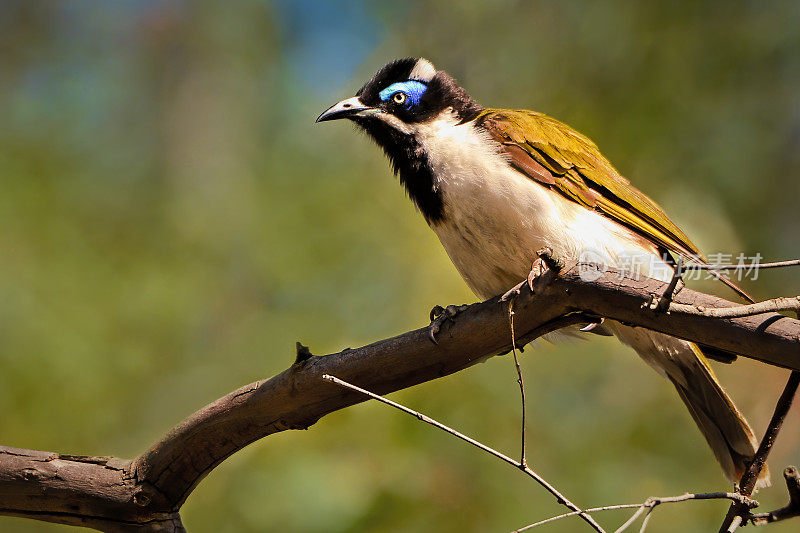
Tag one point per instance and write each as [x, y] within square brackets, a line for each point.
[393, 107]
[438, 91]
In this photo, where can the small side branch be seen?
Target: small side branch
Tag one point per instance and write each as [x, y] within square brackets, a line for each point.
[662, 304]
[767, 306]
[743, 266]
[560, 498]
[520, 381]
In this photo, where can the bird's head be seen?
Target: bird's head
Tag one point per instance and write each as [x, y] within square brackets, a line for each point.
[402, 94]
[395, 108]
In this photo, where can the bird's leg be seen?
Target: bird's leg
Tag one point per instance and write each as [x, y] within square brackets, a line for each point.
[545, 261]
[440, 315]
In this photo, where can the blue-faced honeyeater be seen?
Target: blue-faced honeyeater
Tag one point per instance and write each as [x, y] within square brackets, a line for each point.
[495, 185]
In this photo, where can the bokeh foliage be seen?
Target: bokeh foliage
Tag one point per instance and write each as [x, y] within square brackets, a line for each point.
[172, 221]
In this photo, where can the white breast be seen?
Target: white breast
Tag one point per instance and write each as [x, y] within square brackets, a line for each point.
[496, 217]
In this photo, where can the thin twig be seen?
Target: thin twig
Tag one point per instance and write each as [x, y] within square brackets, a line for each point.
[750, 476]
[522, 459]
[642, 508]
[560, 498]
[741, 266]
[647, 519]
[662, 304]
[767, 306]
[650, 502]
[575, 513]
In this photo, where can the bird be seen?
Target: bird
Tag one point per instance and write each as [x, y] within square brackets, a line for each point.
[496, 185]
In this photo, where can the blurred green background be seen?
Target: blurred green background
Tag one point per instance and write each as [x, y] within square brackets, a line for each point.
[172, 221]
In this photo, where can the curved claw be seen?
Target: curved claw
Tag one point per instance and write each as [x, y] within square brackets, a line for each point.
[538, 267]
[591, 326]
[432, 331]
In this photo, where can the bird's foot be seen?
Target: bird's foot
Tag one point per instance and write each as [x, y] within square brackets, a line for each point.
[540, 265]
[440, 315]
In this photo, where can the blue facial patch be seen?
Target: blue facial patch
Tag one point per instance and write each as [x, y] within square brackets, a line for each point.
[413, 89]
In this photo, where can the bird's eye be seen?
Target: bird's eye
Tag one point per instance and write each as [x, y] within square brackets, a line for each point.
[399, 97]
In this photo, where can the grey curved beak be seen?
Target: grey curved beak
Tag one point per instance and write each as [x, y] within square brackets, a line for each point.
[349, 107]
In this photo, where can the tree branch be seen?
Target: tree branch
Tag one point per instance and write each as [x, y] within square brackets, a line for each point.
[80, 491]
[102, 492]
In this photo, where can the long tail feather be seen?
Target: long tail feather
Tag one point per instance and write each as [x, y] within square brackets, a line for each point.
[721, 423]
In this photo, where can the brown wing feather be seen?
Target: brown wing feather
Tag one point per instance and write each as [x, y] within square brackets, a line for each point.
[562, 159]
